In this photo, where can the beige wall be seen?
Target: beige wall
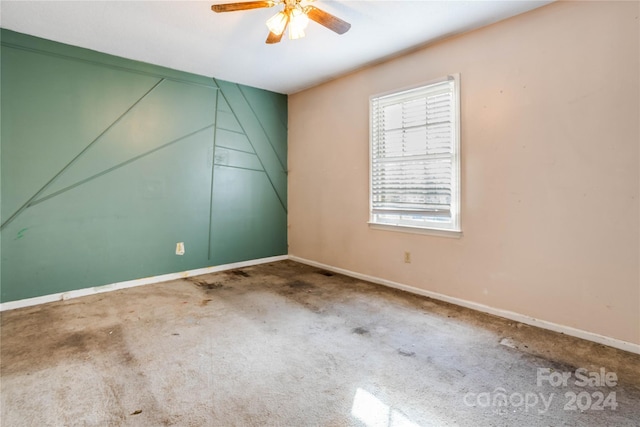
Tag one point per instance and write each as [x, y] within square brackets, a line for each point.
[550, 136]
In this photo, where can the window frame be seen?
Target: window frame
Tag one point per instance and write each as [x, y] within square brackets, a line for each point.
[455, 230]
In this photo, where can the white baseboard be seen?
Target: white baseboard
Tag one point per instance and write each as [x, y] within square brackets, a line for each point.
[11, 305]
[567, 330]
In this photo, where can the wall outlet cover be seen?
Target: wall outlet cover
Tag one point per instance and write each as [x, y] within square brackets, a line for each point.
[180, 248]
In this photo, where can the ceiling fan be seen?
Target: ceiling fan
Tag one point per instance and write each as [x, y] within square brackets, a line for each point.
[294, 15]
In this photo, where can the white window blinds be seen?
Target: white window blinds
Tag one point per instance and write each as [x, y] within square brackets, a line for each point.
[414, 157]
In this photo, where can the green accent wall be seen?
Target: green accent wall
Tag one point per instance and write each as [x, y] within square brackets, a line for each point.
[107, 163]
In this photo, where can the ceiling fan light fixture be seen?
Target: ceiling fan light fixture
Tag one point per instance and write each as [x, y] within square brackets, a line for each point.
[299, 22]
[294, 15]
[277, 23]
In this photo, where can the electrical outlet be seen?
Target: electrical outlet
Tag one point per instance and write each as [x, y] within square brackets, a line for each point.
[180, 248]
[407, 257]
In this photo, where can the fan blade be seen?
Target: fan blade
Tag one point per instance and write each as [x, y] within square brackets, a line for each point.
[273, 38]
[328, 20]
[246, 5]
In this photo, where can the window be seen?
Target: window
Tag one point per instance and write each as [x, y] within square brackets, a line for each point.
[415, 158]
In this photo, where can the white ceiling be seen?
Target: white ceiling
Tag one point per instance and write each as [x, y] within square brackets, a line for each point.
[188, 36]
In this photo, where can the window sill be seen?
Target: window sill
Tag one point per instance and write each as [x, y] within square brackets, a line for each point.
[416, 230]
